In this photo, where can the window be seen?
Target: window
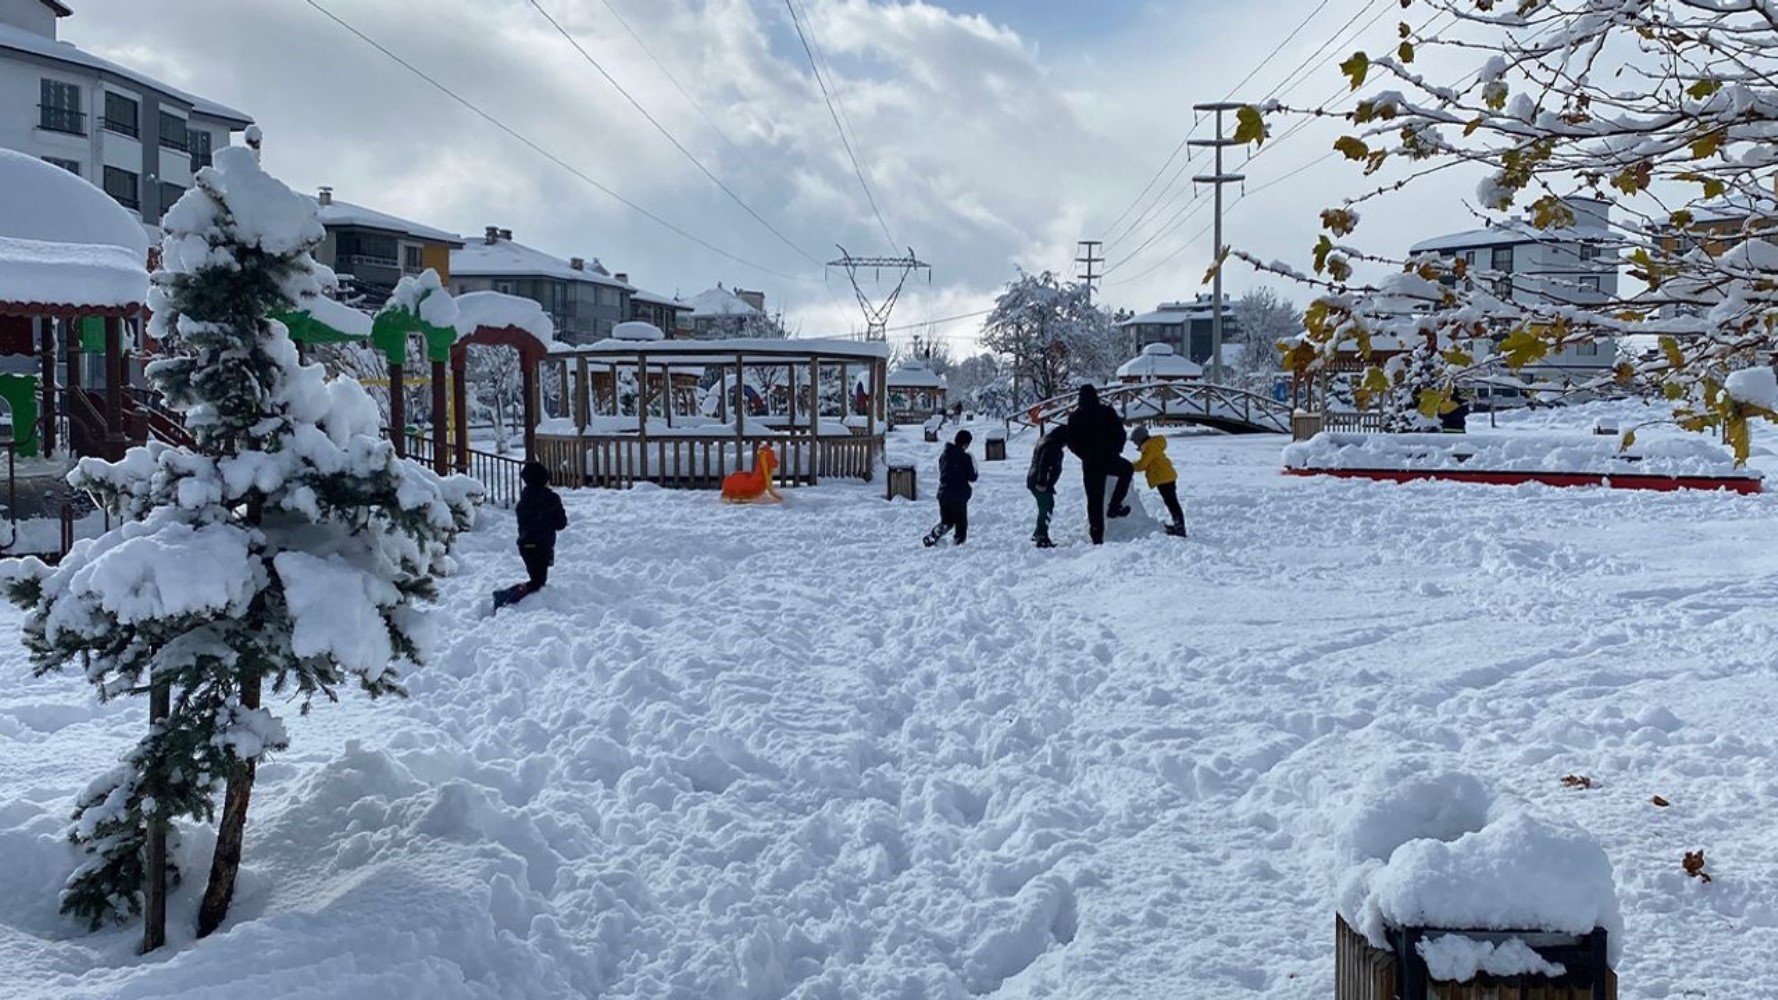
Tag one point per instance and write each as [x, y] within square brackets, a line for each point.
[1501, 259]
[1469, 257]
[1587, 350]
[1590, 283]
[173, 132]
[503, 287]
[122, 185]
[1589, 251]
[121, 115]
[72, 166]
[170, 193]
[412, 259]
[200, 148]
[61, 108]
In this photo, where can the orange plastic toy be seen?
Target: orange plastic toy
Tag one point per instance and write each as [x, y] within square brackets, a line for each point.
[754, 486]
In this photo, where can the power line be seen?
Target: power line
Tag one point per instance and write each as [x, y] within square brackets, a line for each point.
[642, 44]
[663, 130]
[541, 151]
[1304, 23]
[828, 97]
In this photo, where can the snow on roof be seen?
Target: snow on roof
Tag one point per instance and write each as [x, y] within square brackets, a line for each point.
[720, 301]
[344, 213]
[504, 258]
[336, 315]
[641, 295]
[755, 350]
[1178, 313]
[637, 331]
[497, 310]
[1509, 234]
[20, 40]
[1160, 361]
[64, 242]
[915, 375]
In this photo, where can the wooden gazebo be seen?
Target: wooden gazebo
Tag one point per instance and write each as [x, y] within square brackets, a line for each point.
[617, 440]
[916, 392]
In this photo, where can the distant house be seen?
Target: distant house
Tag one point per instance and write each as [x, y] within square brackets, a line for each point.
[1571, 266]
[1158, 362]
[1187, 326]
[666, 313]
[133, 136]
[372, 250]
[720, 312]
[585, 301]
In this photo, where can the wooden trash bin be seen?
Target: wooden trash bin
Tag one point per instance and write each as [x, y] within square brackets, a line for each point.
[1364, 972]
[902, 483]
[931, 435]
[994, 449]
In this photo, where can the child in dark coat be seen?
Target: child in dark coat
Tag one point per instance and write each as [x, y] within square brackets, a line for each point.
[1045, 472]
[540, 516]
[956, 471]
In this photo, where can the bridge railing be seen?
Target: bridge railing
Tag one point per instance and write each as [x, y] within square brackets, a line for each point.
[1192, 402]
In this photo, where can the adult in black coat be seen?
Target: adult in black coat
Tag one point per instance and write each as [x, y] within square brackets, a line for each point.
[1096, 436]
[540, 516]
[1041, 479]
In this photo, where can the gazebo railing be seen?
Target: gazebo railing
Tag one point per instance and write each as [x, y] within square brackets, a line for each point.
[616, 461]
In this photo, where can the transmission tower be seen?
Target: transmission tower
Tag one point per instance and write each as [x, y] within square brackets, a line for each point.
[1092, 258]
[877, 310]
[1218, 180]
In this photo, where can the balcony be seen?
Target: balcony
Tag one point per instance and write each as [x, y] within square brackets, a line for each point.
[133, 204]
[122, 127]
[352, 261]
[63, 120]
[177, 142]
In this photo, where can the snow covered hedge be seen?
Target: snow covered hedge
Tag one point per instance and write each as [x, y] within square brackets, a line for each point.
[1518, 452]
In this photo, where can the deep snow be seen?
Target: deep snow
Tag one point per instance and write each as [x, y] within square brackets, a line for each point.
[759, 752]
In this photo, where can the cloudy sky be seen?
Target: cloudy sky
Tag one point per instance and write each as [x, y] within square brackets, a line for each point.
[993, 133]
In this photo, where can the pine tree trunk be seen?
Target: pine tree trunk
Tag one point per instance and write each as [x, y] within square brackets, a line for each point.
[225, 864]
[154, 904]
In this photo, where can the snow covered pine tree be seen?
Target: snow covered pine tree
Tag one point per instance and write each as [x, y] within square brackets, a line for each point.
[288, 548]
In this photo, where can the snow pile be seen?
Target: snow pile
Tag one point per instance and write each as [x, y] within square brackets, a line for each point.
[266, 215]
[1439, 851]
[497, 310]
[424, 296]
[1454, 958]
[1754, 387]
[1580, 454]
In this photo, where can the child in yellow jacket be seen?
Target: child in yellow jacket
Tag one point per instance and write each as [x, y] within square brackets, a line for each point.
[1158, 468]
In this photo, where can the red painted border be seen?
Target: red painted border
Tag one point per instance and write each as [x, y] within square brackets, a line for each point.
[1665, 484]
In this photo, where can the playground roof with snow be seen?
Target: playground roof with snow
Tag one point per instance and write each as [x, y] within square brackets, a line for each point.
[915, 375]
[748, 350]
[65, 245]
[1160, 361]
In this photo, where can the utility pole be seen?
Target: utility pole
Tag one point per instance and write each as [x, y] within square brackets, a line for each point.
[1092, 258]
[1217, 179]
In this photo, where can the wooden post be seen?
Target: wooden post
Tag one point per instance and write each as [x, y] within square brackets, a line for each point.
[397, 409]
[532, 404]
[740, 412]
[582, 395]
[460, 405]
[154, 891]
[115, 439]
[642, 410]
[46, 356]
[441, 458]
[814, 420]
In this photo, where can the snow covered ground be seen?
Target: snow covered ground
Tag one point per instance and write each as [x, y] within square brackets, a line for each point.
[763, 752]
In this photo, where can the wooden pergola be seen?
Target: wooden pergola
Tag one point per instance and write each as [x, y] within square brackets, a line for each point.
[593, 441]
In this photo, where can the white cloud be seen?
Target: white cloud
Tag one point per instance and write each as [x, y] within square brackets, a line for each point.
[986, 150]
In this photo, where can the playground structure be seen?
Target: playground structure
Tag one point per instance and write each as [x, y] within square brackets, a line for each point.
[816, 428]
[1205, 404]
[754, 485]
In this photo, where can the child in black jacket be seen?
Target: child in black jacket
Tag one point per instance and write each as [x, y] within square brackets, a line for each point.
[956, 471]
[540, 516]
[1045, 471]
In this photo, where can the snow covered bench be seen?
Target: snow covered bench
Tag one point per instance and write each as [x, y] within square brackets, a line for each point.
[1453, 893]
[1515, 458]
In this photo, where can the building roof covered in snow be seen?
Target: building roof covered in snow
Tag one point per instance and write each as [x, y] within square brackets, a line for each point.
[65, 243]
[504, 257]
[1180, 313]
[1591, 223]
[1160, 361]
[914, 374]
[643, 295]
[32, 44]
[719, 301]
[334, 212]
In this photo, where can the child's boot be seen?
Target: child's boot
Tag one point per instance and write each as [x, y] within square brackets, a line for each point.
[1042, 541]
